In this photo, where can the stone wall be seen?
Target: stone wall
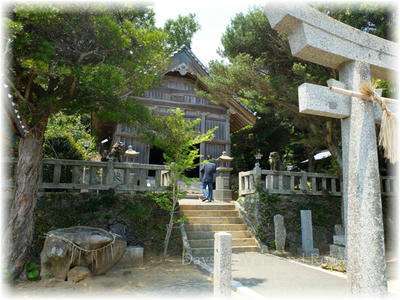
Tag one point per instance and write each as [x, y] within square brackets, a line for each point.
[261, 209]
[136, 217]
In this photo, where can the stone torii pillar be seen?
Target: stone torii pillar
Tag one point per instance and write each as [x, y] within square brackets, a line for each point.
[358, 56]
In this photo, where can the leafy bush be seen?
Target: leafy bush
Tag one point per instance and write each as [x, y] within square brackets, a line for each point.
[65, 135]
[61, 147]
[32, 271]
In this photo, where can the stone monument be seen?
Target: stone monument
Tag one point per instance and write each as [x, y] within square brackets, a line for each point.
[307, 242]
[357, 56]
[280, 233]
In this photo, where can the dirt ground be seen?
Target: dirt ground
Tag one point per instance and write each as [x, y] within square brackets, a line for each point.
[154, 279]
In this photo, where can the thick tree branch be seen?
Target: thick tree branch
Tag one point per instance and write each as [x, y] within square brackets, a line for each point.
[18, 93]
[28, 86]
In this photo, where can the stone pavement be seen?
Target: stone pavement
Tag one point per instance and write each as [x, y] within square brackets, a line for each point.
[272, 276]
[269, 276]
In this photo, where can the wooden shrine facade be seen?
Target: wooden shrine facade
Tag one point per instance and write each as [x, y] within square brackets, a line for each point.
[177, 90]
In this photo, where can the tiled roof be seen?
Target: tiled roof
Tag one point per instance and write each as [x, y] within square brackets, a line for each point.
[190, 52]
[205, 69]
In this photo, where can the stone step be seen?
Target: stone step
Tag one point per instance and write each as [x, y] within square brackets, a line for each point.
[207, 206]
[192, 196]
[236, 249]
[210, 243]
[214, 220]
[210, 213]
[205, 235]
[214, 227]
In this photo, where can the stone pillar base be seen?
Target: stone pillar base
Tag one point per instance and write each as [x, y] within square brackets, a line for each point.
[132, 257]
[308, 253]
[222, 195]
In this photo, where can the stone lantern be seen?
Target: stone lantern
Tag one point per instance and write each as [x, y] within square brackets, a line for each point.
[130, 153]
[130, 177]
[223, 190]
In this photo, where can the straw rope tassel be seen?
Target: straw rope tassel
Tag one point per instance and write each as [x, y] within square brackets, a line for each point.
[389, 126]
[76, 250]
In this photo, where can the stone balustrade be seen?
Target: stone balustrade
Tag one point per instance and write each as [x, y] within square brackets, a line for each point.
[64, 174]
[286, 183]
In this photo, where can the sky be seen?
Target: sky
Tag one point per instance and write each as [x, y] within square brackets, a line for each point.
[213, 17]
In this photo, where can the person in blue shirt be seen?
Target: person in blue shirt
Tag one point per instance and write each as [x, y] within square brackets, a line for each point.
[207, 172]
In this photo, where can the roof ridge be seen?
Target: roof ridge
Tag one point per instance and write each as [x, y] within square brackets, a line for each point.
[189, 50]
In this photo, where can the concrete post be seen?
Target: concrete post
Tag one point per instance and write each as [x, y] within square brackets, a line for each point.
[222, 264]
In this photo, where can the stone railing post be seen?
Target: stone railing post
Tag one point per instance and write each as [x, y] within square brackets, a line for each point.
[56, 173]
[257, 175]
[109, 173]
[75, 174]
[240, 183]
[92, 175]
[303, 182]
[158, 179]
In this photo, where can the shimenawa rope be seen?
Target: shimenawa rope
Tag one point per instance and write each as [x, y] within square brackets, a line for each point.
[76, 250]
[389, 124]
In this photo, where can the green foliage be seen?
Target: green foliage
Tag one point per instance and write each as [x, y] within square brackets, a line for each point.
[83, 58]
[181, 31]
[178, 139]
[61, 147]
[265, 77]
[6, 274]
[32, 271]
[65, 136]
[163, 200]
[269, 134]
[375, 18]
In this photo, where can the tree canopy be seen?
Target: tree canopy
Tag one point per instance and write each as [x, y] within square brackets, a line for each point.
[82, 59]
[181, 31]
[376, 18]
[265, 76]
[74, 59]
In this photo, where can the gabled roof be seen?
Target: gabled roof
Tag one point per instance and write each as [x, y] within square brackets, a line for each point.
[185, 61]
[189, 52]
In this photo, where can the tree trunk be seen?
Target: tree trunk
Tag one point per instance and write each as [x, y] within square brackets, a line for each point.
[172, 212]
[333, 145]
[20, 220]
[311, 161]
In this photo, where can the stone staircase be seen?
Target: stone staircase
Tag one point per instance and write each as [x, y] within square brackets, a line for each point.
[205, 219]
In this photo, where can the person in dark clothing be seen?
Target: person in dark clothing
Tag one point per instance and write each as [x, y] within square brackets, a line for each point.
[207, 172]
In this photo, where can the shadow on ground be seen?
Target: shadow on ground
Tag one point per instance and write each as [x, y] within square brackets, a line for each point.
[250, 282]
